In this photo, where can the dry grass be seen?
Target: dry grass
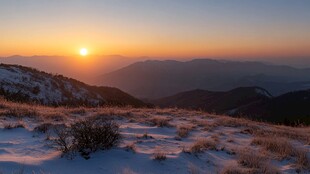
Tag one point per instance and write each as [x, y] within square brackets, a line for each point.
[159, 155]
[280, 146]
[184, 130]
[302, 160]
[203, 144]
[160, 121]
[257, 163]
[248, 158]
[284, 149]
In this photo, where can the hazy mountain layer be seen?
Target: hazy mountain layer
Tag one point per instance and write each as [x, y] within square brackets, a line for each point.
[155, 79]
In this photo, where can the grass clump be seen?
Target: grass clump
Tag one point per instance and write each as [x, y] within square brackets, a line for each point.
[159, 155]
[284, 149]
[257, 163]
[184, 130]
[201, 145]
[160, 121]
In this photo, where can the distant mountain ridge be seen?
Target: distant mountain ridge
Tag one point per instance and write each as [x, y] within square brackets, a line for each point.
[156, 79]
[25, 84]
[219, 102]
[251, 102]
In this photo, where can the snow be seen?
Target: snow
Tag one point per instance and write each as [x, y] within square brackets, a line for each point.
[262, 92]
[26, 149]
[15, 79]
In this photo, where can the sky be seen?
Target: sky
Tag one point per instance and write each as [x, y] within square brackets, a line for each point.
[156, 28]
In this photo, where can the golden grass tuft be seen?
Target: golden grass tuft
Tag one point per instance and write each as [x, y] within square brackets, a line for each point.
[257, 163]
[203, 144]
[184, 130]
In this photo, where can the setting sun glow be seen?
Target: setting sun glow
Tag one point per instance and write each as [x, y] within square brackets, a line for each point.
[83, 52]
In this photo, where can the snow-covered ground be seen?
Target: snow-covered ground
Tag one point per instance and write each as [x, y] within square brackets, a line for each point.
[147, 132]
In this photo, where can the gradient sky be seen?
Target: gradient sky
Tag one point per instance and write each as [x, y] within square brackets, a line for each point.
[158, 28]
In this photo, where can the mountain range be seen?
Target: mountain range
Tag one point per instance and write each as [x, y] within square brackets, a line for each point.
[157, 79]
[251, 102]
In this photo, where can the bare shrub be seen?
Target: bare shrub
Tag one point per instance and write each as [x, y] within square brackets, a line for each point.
[88, 136]
[91, 135]
[203, 144]
[64, 141]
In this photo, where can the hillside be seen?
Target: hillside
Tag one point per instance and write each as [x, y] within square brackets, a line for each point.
[289, 108]
[155, 141]
[249, 102]
[18, 83]
[85, 70]
[156, 79]
[218, 102]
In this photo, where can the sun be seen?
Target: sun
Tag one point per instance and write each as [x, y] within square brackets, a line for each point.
[83, 52]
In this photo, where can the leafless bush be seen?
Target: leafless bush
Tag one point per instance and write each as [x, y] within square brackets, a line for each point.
[88, 136]
[64, 141]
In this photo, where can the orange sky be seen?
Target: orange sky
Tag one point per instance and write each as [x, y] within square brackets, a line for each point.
[155, 29]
